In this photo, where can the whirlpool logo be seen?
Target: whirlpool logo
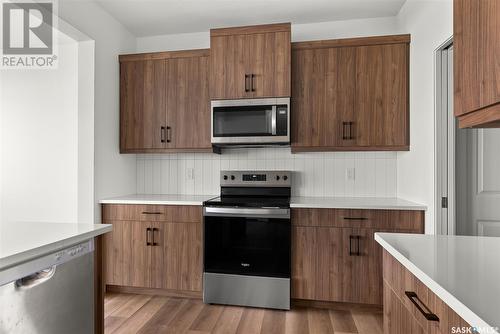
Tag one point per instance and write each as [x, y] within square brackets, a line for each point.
[28, 34]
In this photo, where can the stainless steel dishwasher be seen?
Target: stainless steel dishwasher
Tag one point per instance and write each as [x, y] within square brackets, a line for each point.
[52, 294]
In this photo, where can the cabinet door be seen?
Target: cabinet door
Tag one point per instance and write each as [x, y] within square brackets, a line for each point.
[142, 104]
[268, 64]
[304, 262]
[188, 110]
[308, 102]
[182, 261]
[397, 318]
[228, 61]
[381, 102]
[127, 254]
[338, 122]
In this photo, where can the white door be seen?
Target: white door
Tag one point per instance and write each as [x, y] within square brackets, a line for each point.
[485, 195]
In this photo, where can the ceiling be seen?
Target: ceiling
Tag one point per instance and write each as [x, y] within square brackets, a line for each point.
[158, 17]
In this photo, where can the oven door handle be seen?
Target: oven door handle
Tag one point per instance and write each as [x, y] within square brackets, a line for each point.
[273, 121]
[247, 212]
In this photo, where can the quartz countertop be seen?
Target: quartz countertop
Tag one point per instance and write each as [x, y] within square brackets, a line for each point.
[21, 242]
[158, 199]
[461, 270]
[390, 203]
[295, 202]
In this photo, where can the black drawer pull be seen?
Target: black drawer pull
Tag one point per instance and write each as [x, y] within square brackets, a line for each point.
[417, 302]
[344, 133]
[252, 88]
[148, 232]
[154, 242]
[152, 213]
[355, 218]
[169, 134]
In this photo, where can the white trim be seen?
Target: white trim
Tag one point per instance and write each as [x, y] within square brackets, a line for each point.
[481, 224]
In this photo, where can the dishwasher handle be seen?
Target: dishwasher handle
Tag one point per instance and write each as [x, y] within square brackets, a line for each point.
[35, 279]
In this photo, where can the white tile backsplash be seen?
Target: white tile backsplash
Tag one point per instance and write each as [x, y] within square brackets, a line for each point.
[314, 174]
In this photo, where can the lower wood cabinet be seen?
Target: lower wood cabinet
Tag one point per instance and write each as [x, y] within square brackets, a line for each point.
[401, 314]
[335, 256]
[154, 247]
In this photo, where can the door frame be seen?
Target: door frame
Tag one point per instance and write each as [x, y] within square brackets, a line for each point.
[444, 132]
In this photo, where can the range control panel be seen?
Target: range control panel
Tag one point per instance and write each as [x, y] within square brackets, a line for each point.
[275, 178]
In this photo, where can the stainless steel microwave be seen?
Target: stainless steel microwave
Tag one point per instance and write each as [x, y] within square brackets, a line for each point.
[251, 122]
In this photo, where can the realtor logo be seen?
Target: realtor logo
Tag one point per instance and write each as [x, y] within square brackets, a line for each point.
[28, 34]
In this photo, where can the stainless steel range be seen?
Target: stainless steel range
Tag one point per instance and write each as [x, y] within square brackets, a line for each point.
[247, 236]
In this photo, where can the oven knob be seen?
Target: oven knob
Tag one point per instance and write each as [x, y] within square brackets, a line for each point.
[285, 177]
[277, 177]
[232, 177]
[225, 177]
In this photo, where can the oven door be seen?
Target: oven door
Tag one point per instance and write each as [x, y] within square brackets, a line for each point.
[255, 121]
[253, 242]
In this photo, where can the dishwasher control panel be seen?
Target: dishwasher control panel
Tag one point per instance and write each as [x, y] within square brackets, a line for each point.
[47, 261]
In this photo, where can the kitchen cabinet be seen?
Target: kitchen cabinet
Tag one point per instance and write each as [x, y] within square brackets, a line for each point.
[250, 62]
[334, 254]
[411, 307]
[164, 102]
[153, 246]
[351, 94]
[476, 70]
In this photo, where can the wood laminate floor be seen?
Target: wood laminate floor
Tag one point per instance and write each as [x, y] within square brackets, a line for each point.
[130, 313]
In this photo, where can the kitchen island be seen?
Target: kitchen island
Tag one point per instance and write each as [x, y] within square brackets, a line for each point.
[448, 283]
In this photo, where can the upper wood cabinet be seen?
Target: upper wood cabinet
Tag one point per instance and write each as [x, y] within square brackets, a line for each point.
[250, 62]
[351, 94]
[476, 67]
[164, 102]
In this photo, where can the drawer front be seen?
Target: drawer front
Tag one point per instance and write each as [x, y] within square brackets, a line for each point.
[418, 299]
[139, 212]
[401, 220]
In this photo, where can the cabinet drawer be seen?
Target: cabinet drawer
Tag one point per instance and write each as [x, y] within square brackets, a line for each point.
[407, 288]
[139, 212]
[401, 220]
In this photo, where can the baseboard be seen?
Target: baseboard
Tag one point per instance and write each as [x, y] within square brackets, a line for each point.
[336, 305]
[155, 292]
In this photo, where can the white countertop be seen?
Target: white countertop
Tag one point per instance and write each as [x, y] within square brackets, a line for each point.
[463, 271]
[158, 199]
[21, 242]
[390, 203]
[295, 202]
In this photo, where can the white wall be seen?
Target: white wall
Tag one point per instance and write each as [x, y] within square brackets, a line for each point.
[39, 141]
[315, 174]
[430, 23]
[114, 173]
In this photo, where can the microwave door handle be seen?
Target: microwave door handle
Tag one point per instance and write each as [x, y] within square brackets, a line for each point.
[273, 121]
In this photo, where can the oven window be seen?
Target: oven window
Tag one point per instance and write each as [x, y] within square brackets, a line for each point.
[242, 121]
[247, 246]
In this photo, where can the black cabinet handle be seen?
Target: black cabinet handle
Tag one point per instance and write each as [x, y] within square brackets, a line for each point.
[355, 218]
[252, 87]
[351, 136]
[152, 213]
[246, 83]
[169, 134]
[344, 132]
[412, 296]
[148, 231]
[358, 247]
[162, 134]
[154, 242]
